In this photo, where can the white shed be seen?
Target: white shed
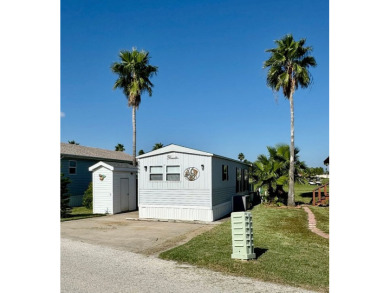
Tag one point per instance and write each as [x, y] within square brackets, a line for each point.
[176, 182]
[114, 187]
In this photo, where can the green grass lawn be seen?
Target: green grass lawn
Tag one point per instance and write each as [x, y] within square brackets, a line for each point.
[287, 252]
[80, 213]
[322, 217]
[304, 192]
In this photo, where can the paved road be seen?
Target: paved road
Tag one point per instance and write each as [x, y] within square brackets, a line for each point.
[94, 268]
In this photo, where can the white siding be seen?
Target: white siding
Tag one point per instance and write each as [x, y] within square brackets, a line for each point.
[175, 193]
[222, 210]
[176, 197]
[176, 212]
[223, 191]
[206, 199]
[116, 191]
[102, 191]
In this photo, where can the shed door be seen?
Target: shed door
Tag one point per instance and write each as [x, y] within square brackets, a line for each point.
[124, 194]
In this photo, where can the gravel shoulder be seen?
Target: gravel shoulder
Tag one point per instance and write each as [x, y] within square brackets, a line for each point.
[87, 267]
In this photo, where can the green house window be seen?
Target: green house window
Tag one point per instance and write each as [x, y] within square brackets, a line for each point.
[72, 167]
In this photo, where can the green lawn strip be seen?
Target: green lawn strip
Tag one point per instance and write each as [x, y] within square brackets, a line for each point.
[303, 193]
[78, 213]
[289, 253]
[322, 217]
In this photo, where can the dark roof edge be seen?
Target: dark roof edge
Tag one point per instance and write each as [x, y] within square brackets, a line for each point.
[96, 158]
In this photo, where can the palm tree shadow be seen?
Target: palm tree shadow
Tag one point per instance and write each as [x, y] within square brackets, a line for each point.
[259, 251]
[306, 195]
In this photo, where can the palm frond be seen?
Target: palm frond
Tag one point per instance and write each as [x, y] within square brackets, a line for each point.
[288, 65]
[134, 72]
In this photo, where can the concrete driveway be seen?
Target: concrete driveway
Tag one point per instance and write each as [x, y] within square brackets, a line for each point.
[147, 237]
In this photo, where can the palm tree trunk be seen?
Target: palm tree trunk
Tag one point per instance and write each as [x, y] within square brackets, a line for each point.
[291, 195]
[134, 136]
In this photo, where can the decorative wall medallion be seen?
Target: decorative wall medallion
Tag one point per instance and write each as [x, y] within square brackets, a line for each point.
[191, 174]
[101, 177]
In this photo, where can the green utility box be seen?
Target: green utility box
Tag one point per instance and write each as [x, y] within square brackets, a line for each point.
[242, 235]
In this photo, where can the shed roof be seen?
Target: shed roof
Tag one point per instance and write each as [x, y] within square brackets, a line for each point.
[180, 149]
[326, 161]
[73, 150]
[114, 166]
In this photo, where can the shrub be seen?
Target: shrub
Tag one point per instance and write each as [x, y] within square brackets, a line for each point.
[88, 197]
[65, 196]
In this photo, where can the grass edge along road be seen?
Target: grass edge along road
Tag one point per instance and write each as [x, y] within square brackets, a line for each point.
[78, 213]
[287, 251]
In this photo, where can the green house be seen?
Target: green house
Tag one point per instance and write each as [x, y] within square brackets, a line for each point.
[75, 161]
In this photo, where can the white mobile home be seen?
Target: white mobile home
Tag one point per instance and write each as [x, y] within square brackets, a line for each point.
[114, 187]
[176, 182]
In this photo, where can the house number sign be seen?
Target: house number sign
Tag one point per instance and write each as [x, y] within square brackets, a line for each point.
[191, 174]
[171, 157]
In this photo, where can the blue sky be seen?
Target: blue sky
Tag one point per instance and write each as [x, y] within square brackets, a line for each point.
[210, 92]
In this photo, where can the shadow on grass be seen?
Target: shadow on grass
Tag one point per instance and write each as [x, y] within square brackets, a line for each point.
[80, 216]
[259, 251]
[307, 194]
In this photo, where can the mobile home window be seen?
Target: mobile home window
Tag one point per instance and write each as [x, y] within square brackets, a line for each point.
[246, 180]
[238, 180]
[156, 173]
[173, 173]
[72, 167]
[225, 172]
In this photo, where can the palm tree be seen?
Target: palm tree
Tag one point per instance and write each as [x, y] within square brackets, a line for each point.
[141, 152]
[273, 171]
[134, 74]
[119, 147]
[157, 146]
[288, 69]
[241, 156]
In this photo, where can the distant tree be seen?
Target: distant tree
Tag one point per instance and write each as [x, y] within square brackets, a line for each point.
[119, 147]
[73, 142]
[157, 146]
[65, 196]
[272, 171]
[134, 73]
[312, 172]
[141, 152]
[288, 69]
[241, 156]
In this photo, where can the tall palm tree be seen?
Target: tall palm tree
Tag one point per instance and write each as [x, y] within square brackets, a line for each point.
[287, 70]
[119, 147]
[157, 146]
[134, 73]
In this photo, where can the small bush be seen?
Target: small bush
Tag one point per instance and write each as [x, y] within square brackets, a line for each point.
[88, 197]
[65, 196]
